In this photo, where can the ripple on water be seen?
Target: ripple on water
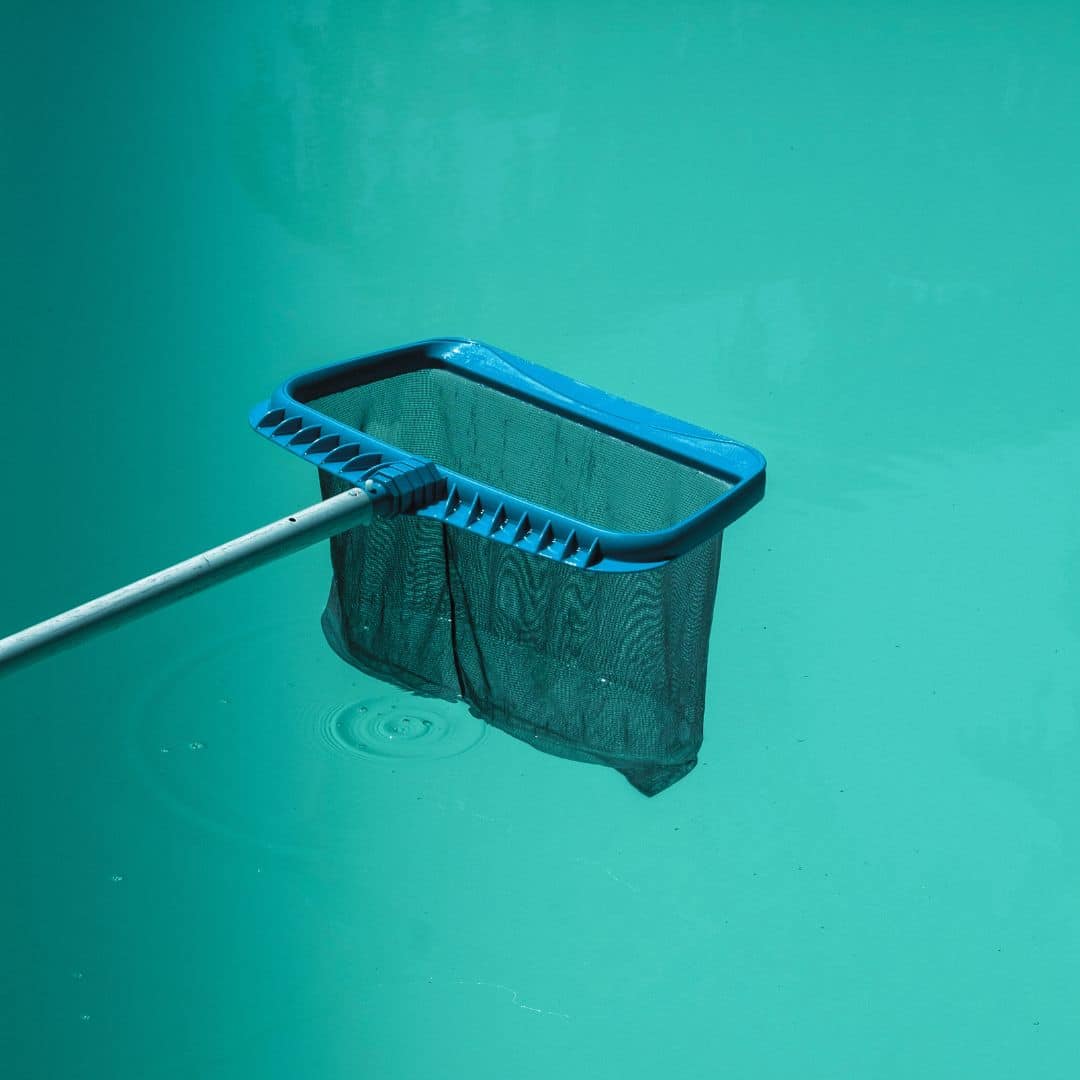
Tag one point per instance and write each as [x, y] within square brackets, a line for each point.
[401, 727]
[293, 744]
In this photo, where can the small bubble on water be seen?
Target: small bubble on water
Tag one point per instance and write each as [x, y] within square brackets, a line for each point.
[196, 745]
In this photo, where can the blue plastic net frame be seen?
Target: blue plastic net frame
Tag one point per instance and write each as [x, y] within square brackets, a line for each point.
[290, 419]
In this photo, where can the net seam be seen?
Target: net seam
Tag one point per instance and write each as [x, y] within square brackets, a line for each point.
[453, 611]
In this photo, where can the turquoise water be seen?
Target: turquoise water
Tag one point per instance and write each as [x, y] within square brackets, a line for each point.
[842, 233]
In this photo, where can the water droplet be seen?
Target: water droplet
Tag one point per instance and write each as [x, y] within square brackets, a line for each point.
[117, 877]
[404, 727]
[196, 745]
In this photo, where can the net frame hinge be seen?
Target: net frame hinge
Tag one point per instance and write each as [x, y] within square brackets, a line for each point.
[403, 486]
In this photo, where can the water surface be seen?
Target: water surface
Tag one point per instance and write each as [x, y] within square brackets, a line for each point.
[841, 233]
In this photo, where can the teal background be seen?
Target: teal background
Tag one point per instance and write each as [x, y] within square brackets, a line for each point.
[843, 233]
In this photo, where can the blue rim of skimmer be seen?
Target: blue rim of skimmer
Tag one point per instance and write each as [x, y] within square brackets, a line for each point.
[465, 503]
